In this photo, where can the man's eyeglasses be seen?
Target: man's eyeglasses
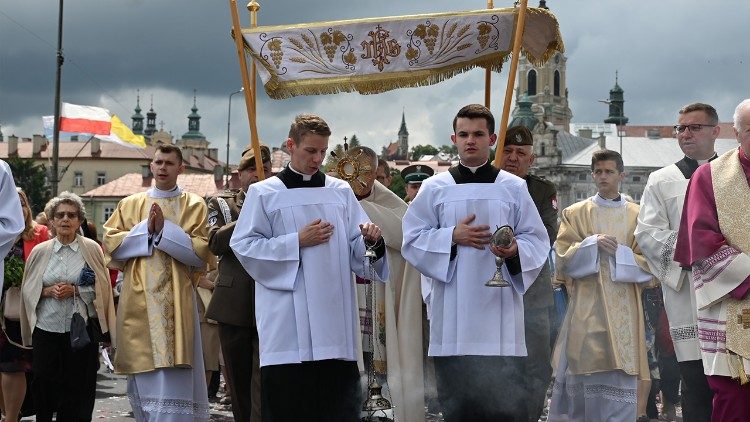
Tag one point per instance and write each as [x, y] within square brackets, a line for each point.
[693, 128]
[62, 214]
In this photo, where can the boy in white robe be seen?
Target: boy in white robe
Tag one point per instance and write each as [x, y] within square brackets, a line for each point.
[476, 331]
[300, 239]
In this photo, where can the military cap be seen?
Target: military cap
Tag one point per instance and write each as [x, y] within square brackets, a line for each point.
[518, 135]
[416, 173]
[248, 157]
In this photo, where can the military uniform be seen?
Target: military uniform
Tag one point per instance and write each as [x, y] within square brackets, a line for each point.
[415, 174]
[233, 307]
[538, 301]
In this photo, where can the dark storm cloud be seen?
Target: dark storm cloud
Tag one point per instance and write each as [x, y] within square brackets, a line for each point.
[668, 53]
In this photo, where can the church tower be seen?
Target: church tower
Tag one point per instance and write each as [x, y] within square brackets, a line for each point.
[150, 120]
[194, 123]
[137, 118]
[616, 105]
[546, 88]
[403, 137]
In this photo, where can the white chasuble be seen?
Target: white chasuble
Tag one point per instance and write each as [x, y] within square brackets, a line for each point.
[656, 233]
[467, 317]
[305, 299]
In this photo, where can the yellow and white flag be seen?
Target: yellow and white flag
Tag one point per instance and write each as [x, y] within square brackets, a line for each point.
[121, 134]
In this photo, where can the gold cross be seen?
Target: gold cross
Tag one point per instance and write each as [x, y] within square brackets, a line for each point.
[744, 318]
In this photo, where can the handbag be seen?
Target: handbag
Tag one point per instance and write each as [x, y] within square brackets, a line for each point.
[79, 335]
[86, 277]
[12, 304]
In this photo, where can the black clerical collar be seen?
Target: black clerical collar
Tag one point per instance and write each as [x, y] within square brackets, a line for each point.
[292, 179]
[688, 165]
[483, 174]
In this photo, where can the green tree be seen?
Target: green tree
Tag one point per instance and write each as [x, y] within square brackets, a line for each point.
[449, 149]
[398, 186]
[31, 178]
[419, 150]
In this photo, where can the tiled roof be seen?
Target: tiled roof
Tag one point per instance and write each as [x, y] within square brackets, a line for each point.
[201, 184]
[109, 150]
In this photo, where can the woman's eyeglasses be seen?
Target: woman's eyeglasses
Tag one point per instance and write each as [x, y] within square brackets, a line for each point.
[62, 214]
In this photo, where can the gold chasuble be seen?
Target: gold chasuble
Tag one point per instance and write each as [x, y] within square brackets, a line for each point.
[604, 326]
[155, 312]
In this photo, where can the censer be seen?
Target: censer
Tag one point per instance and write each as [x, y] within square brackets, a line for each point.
[356, 167]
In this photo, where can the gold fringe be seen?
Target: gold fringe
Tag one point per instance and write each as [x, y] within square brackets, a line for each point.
[737, 368]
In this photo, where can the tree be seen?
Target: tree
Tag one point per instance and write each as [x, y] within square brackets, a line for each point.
[31, 178]
[419, 150]
[398, 186]
[449, 149]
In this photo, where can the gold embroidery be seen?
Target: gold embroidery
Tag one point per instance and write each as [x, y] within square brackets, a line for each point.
[744, 318]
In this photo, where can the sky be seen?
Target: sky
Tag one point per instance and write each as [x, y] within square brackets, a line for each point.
[668, 53]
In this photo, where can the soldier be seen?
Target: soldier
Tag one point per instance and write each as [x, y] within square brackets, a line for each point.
[233, 301]
[518, 156]
[413, 176]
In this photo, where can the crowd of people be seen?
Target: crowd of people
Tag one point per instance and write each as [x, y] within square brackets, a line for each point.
[301, 284]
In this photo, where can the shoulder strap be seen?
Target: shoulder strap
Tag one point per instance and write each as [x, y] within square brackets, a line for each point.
[224, 210]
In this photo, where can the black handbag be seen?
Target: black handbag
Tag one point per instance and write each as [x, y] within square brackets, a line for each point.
[79, 335]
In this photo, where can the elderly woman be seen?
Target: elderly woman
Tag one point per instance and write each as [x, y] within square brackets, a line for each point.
[50, 282]
[15, 361]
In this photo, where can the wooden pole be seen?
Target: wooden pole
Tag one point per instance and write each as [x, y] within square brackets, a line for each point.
[517, 39]
[253, 7]
[247, 84]
[488, 71]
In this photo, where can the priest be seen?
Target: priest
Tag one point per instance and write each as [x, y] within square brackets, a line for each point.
[713, 240]
[158, 238]
[399, 307]
[476, 331]
[301, 239]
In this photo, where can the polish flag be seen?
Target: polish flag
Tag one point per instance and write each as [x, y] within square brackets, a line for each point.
[85, 119]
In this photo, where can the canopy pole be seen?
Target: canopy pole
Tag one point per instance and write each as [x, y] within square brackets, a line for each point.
[253, 7]
[517, 40]
[248, 85]
[488, 71]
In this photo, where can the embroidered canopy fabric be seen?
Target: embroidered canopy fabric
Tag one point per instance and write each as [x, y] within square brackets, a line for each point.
[380, 54]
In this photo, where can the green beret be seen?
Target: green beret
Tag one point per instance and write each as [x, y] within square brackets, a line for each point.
[518, 135]
[416, 173]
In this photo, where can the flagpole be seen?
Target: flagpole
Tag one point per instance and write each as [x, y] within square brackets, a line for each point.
[488, 71]
[246, 83]
[517, 40]
[253, 7]
[54, 180]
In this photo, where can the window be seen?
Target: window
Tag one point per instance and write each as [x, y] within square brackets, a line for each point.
[556, 90]
[636, 178]
[78, 179]
[108, 211]
[583, 177]
[580, 196]
[531, 82]
[101, 178]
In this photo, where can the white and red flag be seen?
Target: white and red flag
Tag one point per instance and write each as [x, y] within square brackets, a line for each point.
[85, 119]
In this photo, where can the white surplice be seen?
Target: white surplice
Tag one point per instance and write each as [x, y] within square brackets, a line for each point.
[167, 394]
[305, 303]
[467, 317]
[656, 234]
[11, 215]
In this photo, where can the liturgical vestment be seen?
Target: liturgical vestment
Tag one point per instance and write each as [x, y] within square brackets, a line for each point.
[158, 342]
[467, 317]
[305, 299]
[402, 308]
[600, 352]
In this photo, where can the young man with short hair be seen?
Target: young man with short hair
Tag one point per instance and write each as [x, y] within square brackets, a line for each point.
[476, 331]
[158, 238]
[301, 239]
[600, 353]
